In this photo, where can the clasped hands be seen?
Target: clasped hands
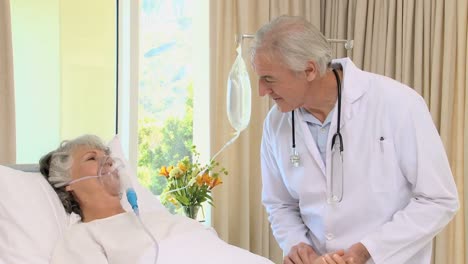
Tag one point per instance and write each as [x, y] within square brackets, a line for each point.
[305, 254]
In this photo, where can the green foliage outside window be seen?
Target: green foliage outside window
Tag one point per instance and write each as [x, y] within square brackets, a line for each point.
[161, 145]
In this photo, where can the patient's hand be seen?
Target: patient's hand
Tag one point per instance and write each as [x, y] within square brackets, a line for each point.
[305, 254]
[331, 258]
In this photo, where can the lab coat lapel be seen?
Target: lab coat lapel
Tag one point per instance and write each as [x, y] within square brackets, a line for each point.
[346, 115]
[353, 88]
[357, 87]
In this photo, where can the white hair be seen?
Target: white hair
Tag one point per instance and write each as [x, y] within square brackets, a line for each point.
[61, 159]
[296, 41]
[56, 165]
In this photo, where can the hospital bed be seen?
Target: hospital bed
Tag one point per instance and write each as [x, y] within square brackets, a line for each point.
[33, 220]
[25, 167]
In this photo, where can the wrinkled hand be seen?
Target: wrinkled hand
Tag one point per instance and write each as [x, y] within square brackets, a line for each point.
[301, 254]
[331, 258]
[357, 254]
[305, 254]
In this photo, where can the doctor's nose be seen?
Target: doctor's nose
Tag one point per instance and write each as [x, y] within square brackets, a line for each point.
[263, 89]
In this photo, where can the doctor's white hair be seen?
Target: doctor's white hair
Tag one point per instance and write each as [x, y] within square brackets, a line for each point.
[296, 41]
[56, 165]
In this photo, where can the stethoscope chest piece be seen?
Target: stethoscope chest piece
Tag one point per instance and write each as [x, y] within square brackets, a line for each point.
[294, 158]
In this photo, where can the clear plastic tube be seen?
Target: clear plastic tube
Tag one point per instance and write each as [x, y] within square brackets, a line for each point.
[238, 106]
[156, 244]
[132, 200]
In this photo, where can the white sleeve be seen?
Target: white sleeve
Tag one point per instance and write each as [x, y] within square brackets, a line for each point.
[283, 210]
[424, 163]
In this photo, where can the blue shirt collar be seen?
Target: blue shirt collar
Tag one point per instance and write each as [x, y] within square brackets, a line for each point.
[308, 117]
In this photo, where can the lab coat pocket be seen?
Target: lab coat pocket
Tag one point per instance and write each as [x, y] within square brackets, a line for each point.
[383, 166]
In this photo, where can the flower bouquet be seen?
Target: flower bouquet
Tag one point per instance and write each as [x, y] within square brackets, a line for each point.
[189, 183]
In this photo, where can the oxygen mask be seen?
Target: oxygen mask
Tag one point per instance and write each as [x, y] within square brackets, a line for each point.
[108, 174]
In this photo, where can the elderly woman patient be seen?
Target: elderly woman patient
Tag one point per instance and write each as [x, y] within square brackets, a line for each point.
[87, 182]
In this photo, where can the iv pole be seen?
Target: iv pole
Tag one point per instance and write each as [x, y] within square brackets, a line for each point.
[348, 43]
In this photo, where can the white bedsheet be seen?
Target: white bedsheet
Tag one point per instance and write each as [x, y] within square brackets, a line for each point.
[121, 240]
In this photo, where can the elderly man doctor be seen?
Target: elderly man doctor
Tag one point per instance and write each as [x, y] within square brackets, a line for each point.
[368, 180]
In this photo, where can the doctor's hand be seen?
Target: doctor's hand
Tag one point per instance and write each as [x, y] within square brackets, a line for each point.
[357, 254]
[301, 254]
[305, 254]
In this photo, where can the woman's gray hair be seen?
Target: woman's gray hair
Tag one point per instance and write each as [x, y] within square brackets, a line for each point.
[56, 165]
[296, 41]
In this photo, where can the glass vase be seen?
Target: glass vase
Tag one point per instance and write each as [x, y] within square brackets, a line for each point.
[191, 211]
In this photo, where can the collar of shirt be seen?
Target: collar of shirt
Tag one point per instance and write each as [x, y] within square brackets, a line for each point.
[319, 131]
[311, 119]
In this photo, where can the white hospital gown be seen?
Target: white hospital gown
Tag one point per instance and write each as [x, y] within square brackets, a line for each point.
[120, 239]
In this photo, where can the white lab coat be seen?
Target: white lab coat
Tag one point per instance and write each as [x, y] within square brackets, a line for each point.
[398, 192]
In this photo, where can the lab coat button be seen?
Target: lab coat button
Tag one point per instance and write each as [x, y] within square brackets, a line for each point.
[329, 236]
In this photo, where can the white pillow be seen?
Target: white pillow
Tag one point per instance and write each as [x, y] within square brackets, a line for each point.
[32, 218]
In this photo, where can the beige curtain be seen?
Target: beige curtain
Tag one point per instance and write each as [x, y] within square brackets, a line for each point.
[422, 43]
[7, 95]
[238, 215]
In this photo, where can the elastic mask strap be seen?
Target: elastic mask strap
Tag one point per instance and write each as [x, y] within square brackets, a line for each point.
[82, 179]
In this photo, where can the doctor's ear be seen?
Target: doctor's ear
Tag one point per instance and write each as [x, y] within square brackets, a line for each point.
[68, 188]
[311, 71]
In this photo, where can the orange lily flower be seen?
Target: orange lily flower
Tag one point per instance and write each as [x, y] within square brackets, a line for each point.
[163, 172]
[206, 179]
[199, 180]
[215, 182]
[169, 168]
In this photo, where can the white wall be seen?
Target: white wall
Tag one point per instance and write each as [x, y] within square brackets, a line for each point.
[64, 55]
[35, 34]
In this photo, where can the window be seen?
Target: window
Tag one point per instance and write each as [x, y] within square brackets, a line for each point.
[165, 99]
[164, 48]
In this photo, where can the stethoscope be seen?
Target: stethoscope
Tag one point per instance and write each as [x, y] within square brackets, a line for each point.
[294, 158]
